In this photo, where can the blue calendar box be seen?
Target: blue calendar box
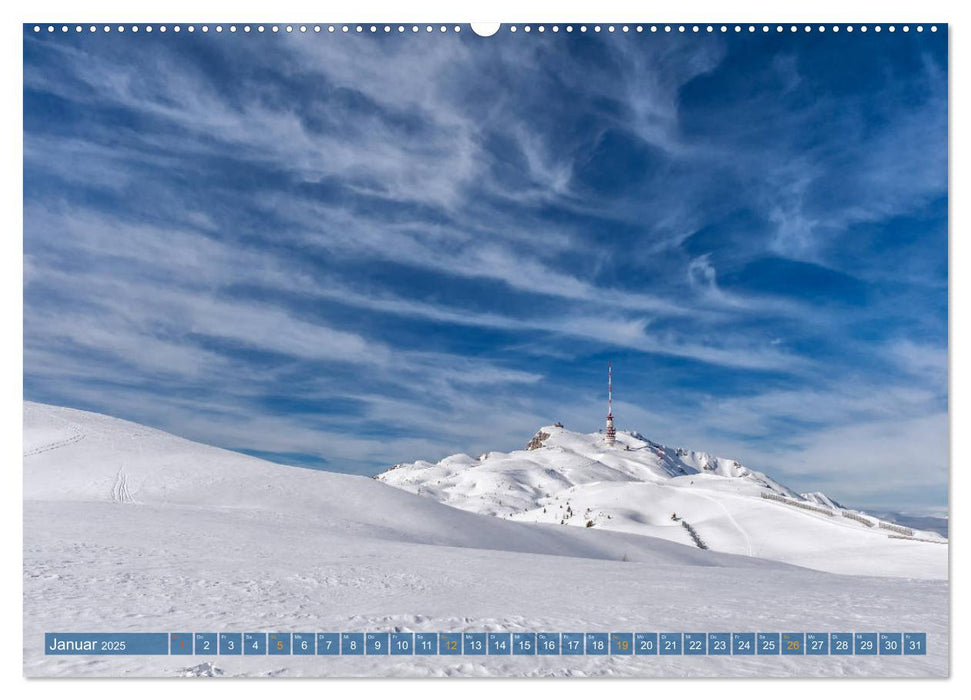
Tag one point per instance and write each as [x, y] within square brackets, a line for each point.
[474, 643]
[695, 643]
[571, 643]
[352, 643]
[303, 643]
[767, 643]
[915, 643]
[106, 643]
[719, 643]
[254, 643]
[817, 643]
[621, 643]
[891, 643]
[426, 643]
[230, 643]
[841, 643]
[500, 643]
[279, 644]
[548, 643]
[180, 643]
[794, 643]
[205, 642]
[865, 643]
[645, 643]
[743, 643]
[376, 643]
[669, 643]
[597, 643]
[524, 643]
[328, 644]
[402, 643]
[450, 643]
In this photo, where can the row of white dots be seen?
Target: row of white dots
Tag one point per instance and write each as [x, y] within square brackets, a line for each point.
[695, 28]
[512, 28]
[247, 28]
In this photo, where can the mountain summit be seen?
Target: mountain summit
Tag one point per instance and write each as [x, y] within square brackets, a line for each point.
[694, 498]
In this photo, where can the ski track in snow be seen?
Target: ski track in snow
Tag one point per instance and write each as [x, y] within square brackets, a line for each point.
[119, 490]
[75, 436]
[731, 519]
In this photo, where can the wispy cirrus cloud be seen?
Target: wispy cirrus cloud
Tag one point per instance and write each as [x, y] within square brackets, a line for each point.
[283, 244]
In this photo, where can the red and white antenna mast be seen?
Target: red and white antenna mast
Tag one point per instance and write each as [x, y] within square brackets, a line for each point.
[610, 435]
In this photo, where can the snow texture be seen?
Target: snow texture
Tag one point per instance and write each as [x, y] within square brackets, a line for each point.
[130, 529]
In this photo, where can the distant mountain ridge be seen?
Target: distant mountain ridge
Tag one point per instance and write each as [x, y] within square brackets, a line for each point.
[932, 523]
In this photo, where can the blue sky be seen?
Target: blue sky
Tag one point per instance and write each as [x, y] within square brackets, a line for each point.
[347, 251]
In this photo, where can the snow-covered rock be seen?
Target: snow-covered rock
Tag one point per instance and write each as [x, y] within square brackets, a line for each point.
[820, 498]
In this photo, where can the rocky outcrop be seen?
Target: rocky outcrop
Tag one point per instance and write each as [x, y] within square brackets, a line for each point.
[537, 441]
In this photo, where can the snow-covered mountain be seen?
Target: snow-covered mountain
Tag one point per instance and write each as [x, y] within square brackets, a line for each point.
[821, 499]
[642, 487]
[76, 456]
[128, 529]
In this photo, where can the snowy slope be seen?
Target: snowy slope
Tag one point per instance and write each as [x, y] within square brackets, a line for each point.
[694, 498]
[93, 458]
[130, 529]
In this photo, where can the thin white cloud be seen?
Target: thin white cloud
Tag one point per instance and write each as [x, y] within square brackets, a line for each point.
[113, 303]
